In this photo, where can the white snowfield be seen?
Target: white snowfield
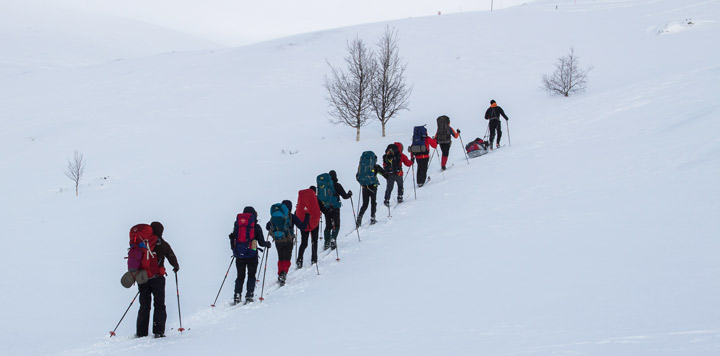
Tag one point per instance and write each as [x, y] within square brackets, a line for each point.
[594, 231]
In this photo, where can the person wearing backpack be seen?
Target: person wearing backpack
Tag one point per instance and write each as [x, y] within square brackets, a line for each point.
[280, 227]
[493, 114]
[308, 202]
[444, 136]
[244, 239]
[153, 291]
[329, 193]
[420, 151]
[367, 177]
[393, 159]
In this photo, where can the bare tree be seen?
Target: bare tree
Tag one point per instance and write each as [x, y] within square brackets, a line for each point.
[349, 92]
[568, 77]
[389, 92]
[75, 170]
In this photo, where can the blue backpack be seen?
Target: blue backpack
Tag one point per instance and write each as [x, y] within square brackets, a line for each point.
[326, 191]
[281, 223]
[245, 243]
[418, 140]
[366, 175]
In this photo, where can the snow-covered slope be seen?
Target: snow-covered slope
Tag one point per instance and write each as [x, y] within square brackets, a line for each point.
[41, 35]
[594, 233]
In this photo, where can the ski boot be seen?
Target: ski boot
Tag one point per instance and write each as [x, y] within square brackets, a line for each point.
[372, 220]
[236, 299]
[400, 199]
[386, 203]
[281, 278]
[327, 245]
[497, 145]
[358, 222]
[248, 299]
[159, 335]
[299, 263]
[333, 245]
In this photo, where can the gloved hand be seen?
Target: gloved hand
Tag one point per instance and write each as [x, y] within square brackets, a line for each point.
[349, 193]
[507, 119]
[458, 131]
[175, 269]
[412, 159]
[267, 244]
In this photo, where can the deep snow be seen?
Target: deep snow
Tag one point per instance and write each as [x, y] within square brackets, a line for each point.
[594, 233]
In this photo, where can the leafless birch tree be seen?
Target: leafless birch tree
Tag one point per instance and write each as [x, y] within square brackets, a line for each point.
[389, 92]
[348, 92]
[75, 170]
[568, 77]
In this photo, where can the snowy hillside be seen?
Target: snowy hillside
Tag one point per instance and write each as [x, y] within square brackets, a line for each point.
[594, 233]
[38, 35]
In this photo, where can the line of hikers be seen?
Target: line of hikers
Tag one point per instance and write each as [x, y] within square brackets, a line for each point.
[148, 250]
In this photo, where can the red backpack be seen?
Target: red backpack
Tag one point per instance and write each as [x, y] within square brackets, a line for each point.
[141, 254]
[245, 243]
[308, 203]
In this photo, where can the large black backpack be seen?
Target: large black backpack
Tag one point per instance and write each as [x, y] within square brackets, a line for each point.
[443, 129]
[392, 159]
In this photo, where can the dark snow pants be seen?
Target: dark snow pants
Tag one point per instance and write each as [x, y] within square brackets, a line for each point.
[495, 125]
[304, 244]
[369, 194]
[422, 167]
[332, 225]
[249, 264]
[152, 291]
[391, 180]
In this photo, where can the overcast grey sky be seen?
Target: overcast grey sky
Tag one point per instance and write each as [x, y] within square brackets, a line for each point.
[236, 22]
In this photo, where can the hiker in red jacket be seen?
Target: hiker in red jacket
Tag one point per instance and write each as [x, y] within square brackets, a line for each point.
[422, 160]
[393, 159]
[444, 136]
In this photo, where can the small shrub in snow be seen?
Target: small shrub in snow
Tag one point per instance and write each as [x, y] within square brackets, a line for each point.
[75, 170]
[568, 77]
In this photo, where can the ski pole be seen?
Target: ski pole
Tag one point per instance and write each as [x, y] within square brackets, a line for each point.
[487, 131]
[432, 155]
[357, 227]
[262, 290]
[296, 243]
[507, 124]
[414, 189]
[223, 282]
[463, 148]
[112, 333]
[257, 275]
[177, 289]
[406, 173]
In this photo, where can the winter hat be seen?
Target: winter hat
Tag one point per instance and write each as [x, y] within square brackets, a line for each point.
[492, 101]
[157, 228]
[333, 175]
[288, 204]
[250, 210]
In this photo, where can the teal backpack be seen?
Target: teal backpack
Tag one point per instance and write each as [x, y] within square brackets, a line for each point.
[326, 191]
[281, 222]
[366, 174]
